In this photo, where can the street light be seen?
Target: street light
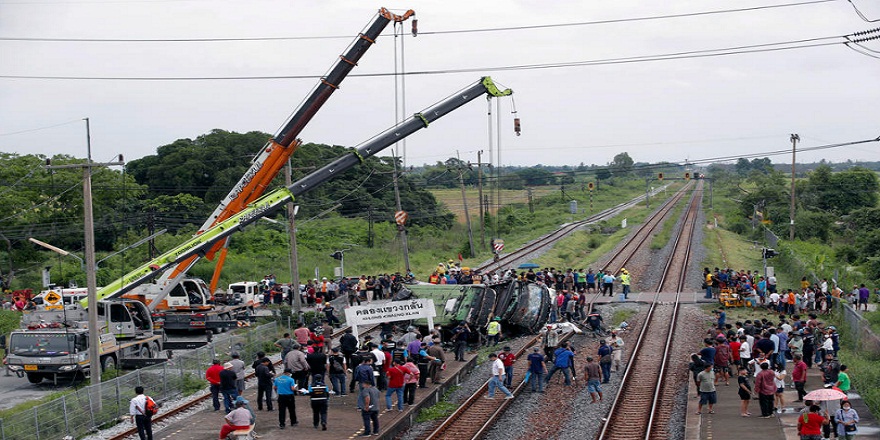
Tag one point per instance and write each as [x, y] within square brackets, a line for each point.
[58, 250]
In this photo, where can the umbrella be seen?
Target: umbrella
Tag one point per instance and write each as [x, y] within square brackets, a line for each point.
[528, 266]
[825, 394]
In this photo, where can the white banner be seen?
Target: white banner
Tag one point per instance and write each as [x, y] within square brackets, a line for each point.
[390, 311]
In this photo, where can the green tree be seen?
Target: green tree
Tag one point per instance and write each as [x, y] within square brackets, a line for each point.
[621, 165]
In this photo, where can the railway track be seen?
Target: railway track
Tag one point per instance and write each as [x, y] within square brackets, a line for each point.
[641, 409]
[643, 233]
[512, 258]
[182, 409]
[478, 413]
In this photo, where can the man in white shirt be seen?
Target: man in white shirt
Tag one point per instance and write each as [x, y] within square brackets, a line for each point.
[497, 379]
[379, 364]
[137, 411]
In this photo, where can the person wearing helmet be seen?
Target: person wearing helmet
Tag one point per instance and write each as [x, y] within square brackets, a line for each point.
[625, 281]
[493, 331]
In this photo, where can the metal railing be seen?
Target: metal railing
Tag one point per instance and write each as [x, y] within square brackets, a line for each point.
[87, 409]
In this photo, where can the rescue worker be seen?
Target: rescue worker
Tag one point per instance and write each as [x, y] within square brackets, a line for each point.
[625, 281]
[493, 331]
[318, 395]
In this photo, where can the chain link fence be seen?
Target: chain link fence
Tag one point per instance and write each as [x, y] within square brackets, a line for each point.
[87, 409]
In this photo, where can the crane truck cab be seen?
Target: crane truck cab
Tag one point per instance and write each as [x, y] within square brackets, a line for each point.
[244, 292]
[53, 342]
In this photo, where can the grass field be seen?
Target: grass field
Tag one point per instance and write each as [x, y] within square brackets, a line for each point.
[451, 199]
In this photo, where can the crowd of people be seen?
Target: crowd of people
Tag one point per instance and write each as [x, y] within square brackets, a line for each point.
[312, 366]
[759, 291]
[764, 356]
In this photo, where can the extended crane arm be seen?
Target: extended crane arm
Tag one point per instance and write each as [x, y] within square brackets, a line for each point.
[276, 199]
[274, 155]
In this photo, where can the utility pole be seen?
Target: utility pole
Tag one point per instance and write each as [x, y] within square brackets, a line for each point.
[400, 228]
[794, 139]
[370, 226]
[480, 186]
[295, 294]
[467, 214]
[90, 266]
[531, 205]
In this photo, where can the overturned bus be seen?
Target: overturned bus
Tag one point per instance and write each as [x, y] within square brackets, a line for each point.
[524, 306]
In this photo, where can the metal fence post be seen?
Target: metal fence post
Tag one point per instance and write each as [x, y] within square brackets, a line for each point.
[91, 407]
[36, 423]
[2, 430]
[64, 409]
[165, 379]
[119, 395]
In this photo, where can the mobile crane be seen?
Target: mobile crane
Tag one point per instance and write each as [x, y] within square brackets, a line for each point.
[200, 244]
[179, 302]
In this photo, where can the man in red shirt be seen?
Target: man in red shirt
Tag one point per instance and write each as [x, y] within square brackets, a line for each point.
[301, 334]
[395, 375]
[799, 376]
[766, 389]
[213, 377]
[507, 358]
[734, 345]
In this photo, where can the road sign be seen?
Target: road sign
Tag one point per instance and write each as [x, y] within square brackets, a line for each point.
[590, 186]
[52, 297]
[687, 176]
[498, 245]
[400, 217]
[659, 176]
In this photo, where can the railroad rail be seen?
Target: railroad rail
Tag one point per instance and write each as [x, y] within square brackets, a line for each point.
[509, 259]
[167, 415]
[644, 414]
[645, 231]
[478, 414]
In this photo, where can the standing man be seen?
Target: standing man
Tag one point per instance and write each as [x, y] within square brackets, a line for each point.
[379, 364]
[348, 343]
[766, 389]
[318, 396]
[363, 374]
[227, 386]
[213, 378]
[368, 403]
[706, 385]
[264, 384]
[395, 385]
[493, 331]
[605, 360]
[137, 409]
[799, 376]
[707, 282]
[537, 369]
[593, 375]
[608, 284]
[284, 344]
[437, 359]
[497, 378]
[238, 369]
[462, 333]
[864, 294]
[301, 334]
[296, 362]
[336, 367]
[617, 349]
[507, 358]
[625, 281]
[285, 386]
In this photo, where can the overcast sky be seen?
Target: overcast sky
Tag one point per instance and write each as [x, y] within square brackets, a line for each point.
[672, 110]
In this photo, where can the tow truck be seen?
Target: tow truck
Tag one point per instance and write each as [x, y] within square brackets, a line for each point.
[54, 339]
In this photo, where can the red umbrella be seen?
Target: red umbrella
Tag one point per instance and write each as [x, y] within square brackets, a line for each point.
[825, 394]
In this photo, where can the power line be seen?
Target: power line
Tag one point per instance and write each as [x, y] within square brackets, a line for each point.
[704, 53]
[31, 130]
[446, 32]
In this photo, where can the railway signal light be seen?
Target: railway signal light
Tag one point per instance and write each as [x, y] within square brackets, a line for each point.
[687, 176]
[659, 176]
[337, 255]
